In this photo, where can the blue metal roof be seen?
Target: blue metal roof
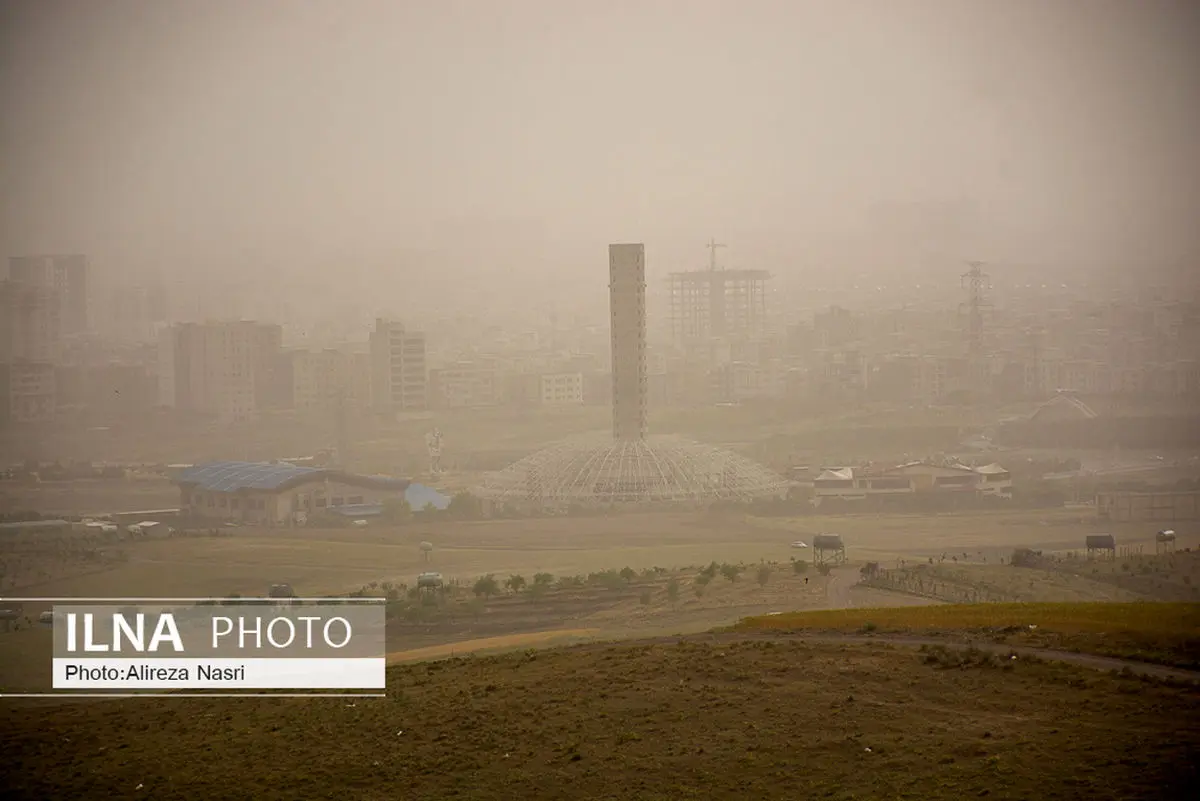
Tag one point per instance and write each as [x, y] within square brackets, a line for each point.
[419, 496]
[233, 476]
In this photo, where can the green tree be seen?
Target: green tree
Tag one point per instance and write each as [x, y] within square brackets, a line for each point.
[731, 572]
[799, 566]
[486, 586]
[465, 506]
[673, 590]
[542, 579]
[764, 574]
[396, 511]
[515, 582]
[628, 573]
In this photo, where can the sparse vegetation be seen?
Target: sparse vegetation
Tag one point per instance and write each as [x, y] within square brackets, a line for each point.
[1165, 633]
[486, 586]
[955, 724]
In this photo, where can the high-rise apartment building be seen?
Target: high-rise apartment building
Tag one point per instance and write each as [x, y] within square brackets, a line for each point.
[66, 275]
[330, 381]
[30, 324]
[30, 347]
[221, 369]
[399, 373]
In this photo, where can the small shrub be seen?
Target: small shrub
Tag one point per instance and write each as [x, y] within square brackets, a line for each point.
[799, 566]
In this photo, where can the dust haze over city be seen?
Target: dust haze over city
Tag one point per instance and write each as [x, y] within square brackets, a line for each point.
[794, 398]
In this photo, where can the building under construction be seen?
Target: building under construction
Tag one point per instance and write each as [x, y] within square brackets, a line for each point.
[717, 303]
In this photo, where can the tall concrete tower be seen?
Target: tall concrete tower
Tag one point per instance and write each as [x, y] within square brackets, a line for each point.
[627, 306]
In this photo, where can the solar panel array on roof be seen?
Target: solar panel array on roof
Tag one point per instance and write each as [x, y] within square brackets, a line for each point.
[234, 476]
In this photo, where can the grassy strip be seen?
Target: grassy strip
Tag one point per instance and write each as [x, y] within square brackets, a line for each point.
[1159, 633]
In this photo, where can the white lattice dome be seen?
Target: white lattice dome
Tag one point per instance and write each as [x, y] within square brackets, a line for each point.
[599, 471]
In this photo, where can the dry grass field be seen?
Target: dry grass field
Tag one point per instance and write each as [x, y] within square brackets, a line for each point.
[774, 718]
[1167, 633]
[319, 561]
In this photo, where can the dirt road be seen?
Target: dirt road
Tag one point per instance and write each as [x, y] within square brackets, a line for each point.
[842, 592]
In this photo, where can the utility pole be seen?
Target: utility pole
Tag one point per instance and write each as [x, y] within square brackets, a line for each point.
[712, 256]
[343, 436]
[977, 284]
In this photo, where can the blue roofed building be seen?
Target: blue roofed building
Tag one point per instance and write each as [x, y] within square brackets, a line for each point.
[276, 493]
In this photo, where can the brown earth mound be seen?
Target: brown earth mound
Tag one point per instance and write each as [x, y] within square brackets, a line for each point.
[775, 718]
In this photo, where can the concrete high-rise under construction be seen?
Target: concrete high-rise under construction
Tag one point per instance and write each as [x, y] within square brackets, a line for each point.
[627, 307]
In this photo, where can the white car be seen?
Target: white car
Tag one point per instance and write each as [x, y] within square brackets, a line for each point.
[799, 544]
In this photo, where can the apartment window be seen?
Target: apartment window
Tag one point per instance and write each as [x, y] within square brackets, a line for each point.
[234, 503]
[354, 499]
[320, 503]
[337, 501]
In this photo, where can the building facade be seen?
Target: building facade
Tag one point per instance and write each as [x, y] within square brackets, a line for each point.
[325, 380]
[562, 389]
[220, 369]
[465, 385]
[277, 493]
[399, 371]
[858, 483]
[67, 276]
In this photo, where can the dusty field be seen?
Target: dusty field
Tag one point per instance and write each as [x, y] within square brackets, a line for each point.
[91, 496]
[988, 535]
[333, 561]
[1161, 633]
[1166, 577]
[485, 644]
[769, 719]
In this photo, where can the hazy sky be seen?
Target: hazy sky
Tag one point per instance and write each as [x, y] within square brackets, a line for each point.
[503, 136]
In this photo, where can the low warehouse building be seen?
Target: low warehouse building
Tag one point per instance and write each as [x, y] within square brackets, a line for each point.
[276, 493]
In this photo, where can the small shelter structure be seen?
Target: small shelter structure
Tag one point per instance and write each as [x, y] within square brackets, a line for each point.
[1101, 545]
[828, 548]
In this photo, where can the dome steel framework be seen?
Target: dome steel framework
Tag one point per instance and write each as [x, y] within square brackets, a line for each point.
[599, 470]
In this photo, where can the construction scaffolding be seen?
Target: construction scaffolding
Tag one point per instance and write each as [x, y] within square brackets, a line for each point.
[717, 303]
